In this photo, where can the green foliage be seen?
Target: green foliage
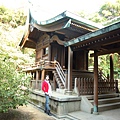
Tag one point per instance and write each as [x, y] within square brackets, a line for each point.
[110, 10]
[13, 87]
[106, 15]
[104, 64]
[12, 17]
[12, 81]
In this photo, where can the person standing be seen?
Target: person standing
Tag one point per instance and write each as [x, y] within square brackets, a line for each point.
[46, 88]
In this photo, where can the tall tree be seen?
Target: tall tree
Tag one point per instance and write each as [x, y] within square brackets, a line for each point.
[110, 10]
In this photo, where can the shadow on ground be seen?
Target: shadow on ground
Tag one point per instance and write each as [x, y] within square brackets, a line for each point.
[16, 115]
[28, 112]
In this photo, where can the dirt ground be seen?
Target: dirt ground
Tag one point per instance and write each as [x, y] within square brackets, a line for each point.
[26, 113]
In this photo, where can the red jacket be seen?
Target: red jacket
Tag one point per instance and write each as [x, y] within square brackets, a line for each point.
[45, 86]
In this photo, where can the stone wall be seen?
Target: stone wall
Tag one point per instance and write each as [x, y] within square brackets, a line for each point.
[60, 104]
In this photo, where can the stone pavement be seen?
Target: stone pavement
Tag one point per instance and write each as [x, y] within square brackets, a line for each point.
[78, 115]
[106, 115]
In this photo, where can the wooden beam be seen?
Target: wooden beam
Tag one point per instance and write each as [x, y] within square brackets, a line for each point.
[25, 39]
[107, 52]
[106, 40]
[97, 42]
[30, 40]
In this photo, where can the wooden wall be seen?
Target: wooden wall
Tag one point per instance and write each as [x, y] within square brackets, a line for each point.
[42, 43]
[58, 53]
[80, 60]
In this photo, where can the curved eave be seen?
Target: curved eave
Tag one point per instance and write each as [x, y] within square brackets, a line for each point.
[53, 27]
[24, 38]
[68, 16]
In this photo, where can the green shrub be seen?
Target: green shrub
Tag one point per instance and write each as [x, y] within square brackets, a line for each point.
[13, 86]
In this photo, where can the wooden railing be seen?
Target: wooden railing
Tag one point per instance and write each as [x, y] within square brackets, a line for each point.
[102, 76]
[85, 86]
[41, 64]
[60, 72]
[54, 64]
[35, 84]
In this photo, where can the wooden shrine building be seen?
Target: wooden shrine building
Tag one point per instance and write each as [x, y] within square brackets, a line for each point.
[62, 46]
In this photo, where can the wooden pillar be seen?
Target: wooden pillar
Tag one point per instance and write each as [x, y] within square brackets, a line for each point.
[70, 61]
[85, 65]
[37, 78]
[111, 72]
[55, 84]
[64, 57]
[66, 79]
[43, 75]
[95, 110]
[49, 53]
[42, 53]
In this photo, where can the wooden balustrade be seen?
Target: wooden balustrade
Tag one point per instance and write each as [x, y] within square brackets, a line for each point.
[33, 84]
[60, 72]
[86, 86]
[41, 64]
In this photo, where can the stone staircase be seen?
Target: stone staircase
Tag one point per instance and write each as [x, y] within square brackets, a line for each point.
[105, 102]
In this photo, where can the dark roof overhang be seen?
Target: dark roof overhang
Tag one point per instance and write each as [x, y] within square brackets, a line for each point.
[105, 40]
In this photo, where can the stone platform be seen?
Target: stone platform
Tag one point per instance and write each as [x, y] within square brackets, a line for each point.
[60, 104]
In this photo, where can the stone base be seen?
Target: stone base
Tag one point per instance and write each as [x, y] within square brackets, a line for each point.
[68, 92]
[62, 91]
[95, 113]
[60, 104]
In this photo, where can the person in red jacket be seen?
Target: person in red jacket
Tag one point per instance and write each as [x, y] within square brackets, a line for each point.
[46, 87]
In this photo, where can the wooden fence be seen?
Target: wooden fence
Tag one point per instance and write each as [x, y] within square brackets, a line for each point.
[35, 84]
[86, 86]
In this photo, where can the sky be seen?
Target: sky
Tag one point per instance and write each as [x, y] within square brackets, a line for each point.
[53, 7]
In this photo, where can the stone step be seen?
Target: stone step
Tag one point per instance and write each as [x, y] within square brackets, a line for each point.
[62, 87]
[103, 96]
[110, 106]
[107, 100]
